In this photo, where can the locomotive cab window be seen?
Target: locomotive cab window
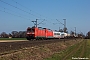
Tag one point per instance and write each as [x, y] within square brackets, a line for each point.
[31, 30]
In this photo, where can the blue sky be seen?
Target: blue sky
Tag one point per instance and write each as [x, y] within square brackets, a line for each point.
[16, 15]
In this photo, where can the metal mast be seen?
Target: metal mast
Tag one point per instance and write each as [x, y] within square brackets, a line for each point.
[64, 25]
[35, 23]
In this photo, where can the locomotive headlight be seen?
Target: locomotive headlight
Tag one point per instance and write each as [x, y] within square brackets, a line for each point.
[32, 33]
[28, 33]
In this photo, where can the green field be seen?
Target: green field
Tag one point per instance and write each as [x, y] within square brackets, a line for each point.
[78, 51]
[12, 38]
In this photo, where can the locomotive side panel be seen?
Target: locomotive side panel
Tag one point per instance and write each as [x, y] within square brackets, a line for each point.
[50, 34]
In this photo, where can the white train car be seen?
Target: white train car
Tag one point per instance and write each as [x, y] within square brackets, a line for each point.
[56, 34]
[63, 35]
[60, 35]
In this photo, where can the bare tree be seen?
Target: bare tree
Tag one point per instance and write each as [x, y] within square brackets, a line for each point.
[61, 30]
[15, 34]
[22, 34]
[81, 35]
[65, 30]
[72, 33]
[88, 35]
[4, 35]
[10, 35]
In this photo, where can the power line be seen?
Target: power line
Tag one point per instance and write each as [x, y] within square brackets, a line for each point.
[14, 7]
[22, 9]
[30, 10]
[41, 21]
[18, 8]
[12, 11]
[27, 8]
[13, 14]
[60, 22]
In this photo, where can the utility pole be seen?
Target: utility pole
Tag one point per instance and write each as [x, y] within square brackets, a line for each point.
[75, 31]
[35, 23]
[64, 25]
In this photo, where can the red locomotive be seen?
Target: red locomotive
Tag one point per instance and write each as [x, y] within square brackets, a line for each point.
[44, 33]
[38, 33]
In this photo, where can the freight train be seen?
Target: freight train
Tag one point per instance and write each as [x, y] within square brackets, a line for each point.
[43, 33]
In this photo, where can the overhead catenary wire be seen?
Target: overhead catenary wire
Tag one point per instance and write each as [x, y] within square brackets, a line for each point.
[47, 19]
[59, 22]
[41, 22]
[33, 11]
[28, 9]
[14, 12]
[18, 8]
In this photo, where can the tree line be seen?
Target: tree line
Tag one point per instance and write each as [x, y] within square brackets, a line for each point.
[22, 34]
[13, 34]
[88, 35]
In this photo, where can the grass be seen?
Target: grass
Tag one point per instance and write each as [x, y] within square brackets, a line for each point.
[54, 57]
[12, 38]
[77, 53]
[88, 49]
[62, 54]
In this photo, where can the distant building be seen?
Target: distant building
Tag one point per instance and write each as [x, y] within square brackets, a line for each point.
[10, 37]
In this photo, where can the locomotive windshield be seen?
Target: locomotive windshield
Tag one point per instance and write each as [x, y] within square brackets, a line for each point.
[30, 30]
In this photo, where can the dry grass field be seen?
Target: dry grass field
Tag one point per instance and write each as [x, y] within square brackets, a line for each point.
[60, 50]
